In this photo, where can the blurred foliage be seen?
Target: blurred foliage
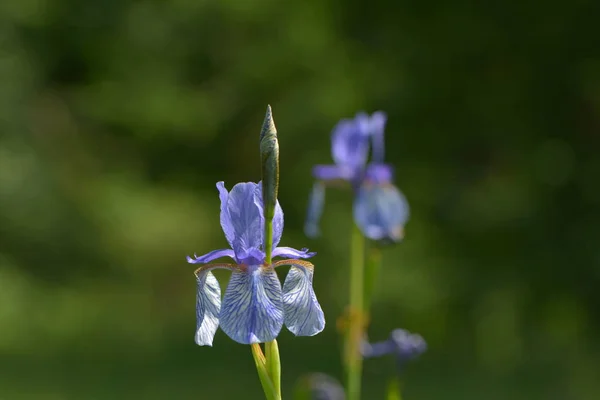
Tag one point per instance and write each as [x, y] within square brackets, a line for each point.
[117, 118]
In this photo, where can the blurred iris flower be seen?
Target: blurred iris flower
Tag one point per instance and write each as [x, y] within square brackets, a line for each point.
[255, 306]
[322, 387]
[403, 345]
[380, 209]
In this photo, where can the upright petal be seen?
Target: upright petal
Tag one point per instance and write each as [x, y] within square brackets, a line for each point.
[350, 143]
[277, 218]
[277, 225]
[381, 212]
[208, 307]
[303, 314]
[246, 218]
[252, 307]
[213, 255]
[226, 224]
[289, 252]
[377, 127]
[315, 210]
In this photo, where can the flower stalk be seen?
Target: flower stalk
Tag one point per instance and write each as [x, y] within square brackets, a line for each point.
[356, 318]
[273, 365]
[263, 373]
[373, 267]
[393, 390]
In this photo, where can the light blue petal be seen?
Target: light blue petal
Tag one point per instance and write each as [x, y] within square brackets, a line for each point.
[246, 218]
[288, 252]
[252, 307]
[208, 307]
[213, 255]
[315, 210]
[226, 224]
[303, 314]
[381, 212]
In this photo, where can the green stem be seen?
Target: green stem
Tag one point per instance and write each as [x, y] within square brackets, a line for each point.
[268, 240]
[354, 333]
[274, 365]
[263, 374]
[371, 275]
[393, 391]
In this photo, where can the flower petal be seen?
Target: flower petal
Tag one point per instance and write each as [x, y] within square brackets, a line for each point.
[213, 255]
[252, 307]
[289, 252]
[226, 224]
[377, 127]
[350, 143]
[381, 212]
[379, 173]
[315, 210]
[303, 314]
[333, 172]
[208, 306]
[246, 219]
[277, 218]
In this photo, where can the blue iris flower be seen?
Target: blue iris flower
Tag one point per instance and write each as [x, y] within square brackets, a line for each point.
[255, 306]
[380, 209]
[401, 344]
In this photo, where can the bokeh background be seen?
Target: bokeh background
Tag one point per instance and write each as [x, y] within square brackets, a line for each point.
[117, 118]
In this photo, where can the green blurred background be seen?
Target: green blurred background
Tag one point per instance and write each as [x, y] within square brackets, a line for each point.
[117, 118]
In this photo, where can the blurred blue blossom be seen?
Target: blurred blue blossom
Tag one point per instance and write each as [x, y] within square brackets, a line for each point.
[380, 209]
[255, 306]
[320, 386]
[403, 345]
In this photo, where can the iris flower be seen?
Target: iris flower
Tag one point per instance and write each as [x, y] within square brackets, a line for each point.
[403, 345]
[380, 209]
[255, 306]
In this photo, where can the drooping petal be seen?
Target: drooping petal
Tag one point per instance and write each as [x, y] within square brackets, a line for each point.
[226, 224]
[252, 309]
[208, 303]
[246, 218]
[316, 203]
[289, 252]
[213, 255]
[350, 143]
[377, 127]
[303, 313]
[277, 217]
[381, 212]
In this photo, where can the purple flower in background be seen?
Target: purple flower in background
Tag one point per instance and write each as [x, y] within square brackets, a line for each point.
[403, 345]
[255, 306]
[380, 209]
[324, 387]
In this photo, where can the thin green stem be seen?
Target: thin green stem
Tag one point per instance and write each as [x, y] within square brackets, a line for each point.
[393, 391]
[371, 275]
[263, 374]
[273, 365]
[354, 333]
[268, 240]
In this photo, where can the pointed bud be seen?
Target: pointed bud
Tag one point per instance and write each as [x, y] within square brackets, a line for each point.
[269, 154]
